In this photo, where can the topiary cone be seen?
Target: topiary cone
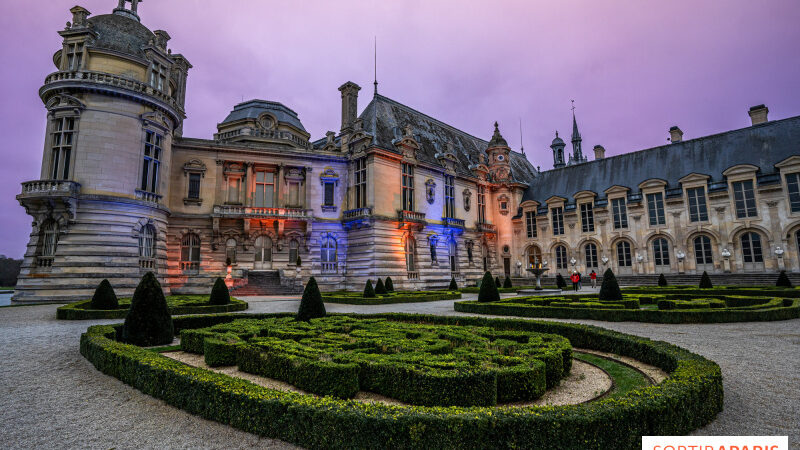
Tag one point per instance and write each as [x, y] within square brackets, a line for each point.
[369, 292]
[219, 293]
[104, 297]
[507, 283]
[311, 305]
[389, 285]
[497, 282]
[783, 280]
[379, 287]
[453, 285]
[705, 281]
[148, 322]
[488, 292]
[609, 290]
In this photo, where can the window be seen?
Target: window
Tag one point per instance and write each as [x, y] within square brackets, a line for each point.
[530, 224]
[655, 208]
[294, 194]
[561, 257]
[591, 255]
[74, 56]
[408, 187]
[328, 254]
[481, 204]
[361, 183]
[451, 251]
[793, 186]
[702, 250]
[230, 251]
[411, 254]
[152, 162]
[620, 211]
[293, 246]
[449, 196]
[327, 196]
[265, 189]
[234, 185]
[558, 220]
[158, 76]
[190, 252]
[61, 147]
[751, 248]
[624, 254]
[698, 212]
[194, 185]
[503, 205]
[147, 247]
[587, 218]
[661, 252]
[49, 241]
[745, 199]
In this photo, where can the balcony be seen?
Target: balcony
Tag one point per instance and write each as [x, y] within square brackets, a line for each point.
[149, 197]
[411, 217]
[245, 134]
[50, 188]
[486, 227]
[253, 212]
[358, 213]
[453, 223]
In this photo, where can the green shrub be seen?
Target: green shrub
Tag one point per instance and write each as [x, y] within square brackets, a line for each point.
[148, 322]
[488, 291]
[507, 283]
[177, 304]
[560, 281]
[380, 289]
[662, 280]
[104, 297]
[705, 281]
[389, 285]
[609, 290]
[497, 282]
[783, 280]
[221, 350]
[311, 305]
[219, 293]
[398, 297]
[369, 292]
[453, 285]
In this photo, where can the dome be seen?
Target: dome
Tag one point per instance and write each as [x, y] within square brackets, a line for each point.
[253, 109]
[121, 34]
[497, 138]
[557, 141]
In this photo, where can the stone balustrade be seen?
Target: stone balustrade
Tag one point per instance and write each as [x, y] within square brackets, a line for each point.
[118, 81]
[358, 213]
[258, 212]
[147, 196]
[452, 222]
[411, 216]
[486, 227]
[265, 134]
[51, 188]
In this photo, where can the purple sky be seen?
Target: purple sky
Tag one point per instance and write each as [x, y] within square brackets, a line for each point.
[634, 68]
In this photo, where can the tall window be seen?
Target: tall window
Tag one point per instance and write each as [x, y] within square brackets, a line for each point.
[793, 186]
[294, 194]
[234, 185]
[61, 147]
[147, 247]
[661, 252]
[230, 250]
[327, 196]
[591, 255]
[449, 196]
[702, 250]
[152, 162]
[328, 254]
[265, 189]
[293, 247]
[751, 248]
[190, 252]
[411, 254]
[698, 212]
[74, 56]
[587, 218]
[451, 252]
[530, 224]
[361, 183]
[194, 185]
[558, 220]
[561, 257]
[481, 204]
[408, 187]
[620, 211]
[158, 76]
[624, 254]
[655, 208]
[49, 241]
[745, 199]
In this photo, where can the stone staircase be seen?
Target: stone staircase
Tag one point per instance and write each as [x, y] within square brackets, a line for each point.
[265, 282]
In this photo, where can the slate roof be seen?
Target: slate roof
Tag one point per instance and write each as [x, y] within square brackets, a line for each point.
[251, 109]
[120, 33]
[762, 145]
[385, 119]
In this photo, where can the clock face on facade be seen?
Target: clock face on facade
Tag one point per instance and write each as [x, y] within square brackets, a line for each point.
[501, 157]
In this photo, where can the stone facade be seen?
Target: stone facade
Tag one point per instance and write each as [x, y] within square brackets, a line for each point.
[393, 193]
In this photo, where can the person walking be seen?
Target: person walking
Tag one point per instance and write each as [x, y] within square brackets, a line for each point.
[580, 279]
[593, 276]
[574, 278]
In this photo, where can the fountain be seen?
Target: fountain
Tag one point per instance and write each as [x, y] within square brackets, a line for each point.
[538, 269]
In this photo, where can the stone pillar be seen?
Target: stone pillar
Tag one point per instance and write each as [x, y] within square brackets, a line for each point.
[278, 182]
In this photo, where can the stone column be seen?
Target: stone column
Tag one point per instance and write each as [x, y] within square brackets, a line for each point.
[278, 182]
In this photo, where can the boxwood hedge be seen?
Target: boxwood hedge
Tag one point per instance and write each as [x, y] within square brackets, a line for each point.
[177, 304]
[690, 398]
[356, 298]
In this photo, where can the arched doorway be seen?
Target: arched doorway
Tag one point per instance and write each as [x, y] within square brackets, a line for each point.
[661, 255]
[702, 254]
[263, 247]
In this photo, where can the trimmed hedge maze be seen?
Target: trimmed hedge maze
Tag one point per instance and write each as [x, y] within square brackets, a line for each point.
[357, 298]
[655, 305]
[178, 304]
[414, 363]
[690, 398]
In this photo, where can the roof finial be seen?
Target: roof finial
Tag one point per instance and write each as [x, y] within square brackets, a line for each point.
[375, 47]
[521, 145]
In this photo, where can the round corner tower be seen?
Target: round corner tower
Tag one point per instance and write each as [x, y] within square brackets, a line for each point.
[114, 104]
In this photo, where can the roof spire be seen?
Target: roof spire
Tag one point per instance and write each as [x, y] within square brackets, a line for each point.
[576, 135]
[521, 146]
[375, 47]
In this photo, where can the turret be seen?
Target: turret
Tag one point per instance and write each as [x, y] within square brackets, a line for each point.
[558, 146]
[498, 152]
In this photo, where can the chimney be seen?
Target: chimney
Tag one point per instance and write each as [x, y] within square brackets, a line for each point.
[79, 15]
[675, 134]
[349, 92]
[758, 114]
[162, 37]
[599, 152]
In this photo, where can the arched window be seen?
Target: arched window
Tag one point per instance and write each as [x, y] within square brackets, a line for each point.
[230, 251]
[561, 257]
[702, 250]
[751, 249]
[49, 241]
[147, 247]
[190, 252]
[293, 246]
[411, 257]
[624, 254]
[534, 256]
[591, 255]
[328, 254]
[451, 247]
[661, 252]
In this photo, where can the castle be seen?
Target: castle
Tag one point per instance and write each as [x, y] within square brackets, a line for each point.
[393, 193]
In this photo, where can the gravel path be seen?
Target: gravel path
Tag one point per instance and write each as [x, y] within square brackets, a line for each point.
[50, 397]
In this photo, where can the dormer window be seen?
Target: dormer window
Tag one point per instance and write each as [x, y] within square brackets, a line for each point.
[74, 56]
[158, 76]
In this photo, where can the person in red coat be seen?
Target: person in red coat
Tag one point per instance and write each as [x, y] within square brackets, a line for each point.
[575, 278]
[593, 276]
